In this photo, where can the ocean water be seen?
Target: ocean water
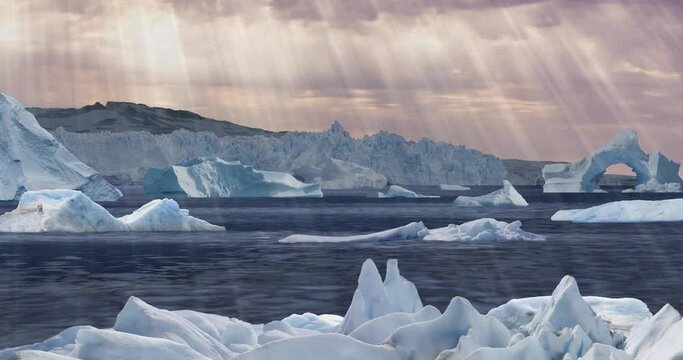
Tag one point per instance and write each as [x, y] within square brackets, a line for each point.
[52, 281]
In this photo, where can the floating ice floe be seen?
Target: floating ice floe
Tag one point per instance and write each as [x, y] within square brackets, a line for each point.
[654, 172]
[505, 197]
[396, 191]
[32, 159]
[333, 173]
[72, 211]
[453, 187]
[215, 177]
[627, 211]
[481, 230]
[385, 321]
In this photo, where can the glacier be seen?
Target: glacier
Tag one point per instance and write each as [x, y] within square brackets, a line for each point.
[505, 197]
[337, 174]
[386, 319]
[215, 177]
[423, 162]
[73, 211]
[32, 159]
[626, 211]
[654, 172]
[481, 230]
[396, 191]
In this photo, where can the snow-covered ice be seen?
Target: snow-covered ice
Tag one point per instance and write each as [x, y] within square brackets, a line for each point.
[32, 159]
[333, 173]
[481, 230]
[626, 211]
[654, 172]
[423, 162]
[396, 191]
[453, 187]
[505, 197]
[386, 321]
[73, 211]
[214, 177]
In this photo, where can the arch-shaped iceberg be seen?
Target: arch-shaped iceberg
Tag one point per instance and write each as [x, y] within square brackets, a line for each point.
[654, 172]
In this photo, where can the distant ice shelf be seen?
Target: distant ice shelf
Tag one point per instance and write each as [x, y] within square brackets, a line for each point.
[482, 230]
[72, 211]
[505, 197]
[386, 320]
[627, 211]
[215, 177]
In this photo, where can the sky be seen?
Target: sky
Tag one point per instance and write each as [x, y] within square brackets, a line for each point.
[528, 79]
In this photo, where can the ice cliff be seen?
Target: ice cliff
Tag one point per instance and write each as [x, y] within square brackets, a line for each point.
[423, 162]
[654, 172]
[32, 159]
[214, 177]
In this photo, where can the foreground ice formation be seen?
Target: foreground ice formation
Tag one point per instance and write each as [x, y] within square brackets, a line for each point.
[505, 197]
[72, 211]
[386, 320]
[396, 191]
[654, 172]
[627, 211]
[333, 173]
[214, 177]
[32, 159]
[481, 230]
[423, 162]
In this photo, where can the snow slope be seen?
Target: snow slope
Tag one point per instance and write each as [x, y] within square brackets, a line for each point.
[32, 159]
[481, 230]
[627, 211]
[72, 211]
[654, 172]
[386, 320]
[505, 197]
[424, 162]
[214, 177]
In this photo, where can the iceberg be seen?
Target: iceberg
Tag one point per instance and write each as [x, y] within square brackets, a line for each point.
[453, 187]
[386, 320]
[396, 191]
[481, 230]
[627, 211]
[214, 177]
[336, 174]
[423, 162]
[505, 197]
[654, 172]
[32, 159]
[73, 211]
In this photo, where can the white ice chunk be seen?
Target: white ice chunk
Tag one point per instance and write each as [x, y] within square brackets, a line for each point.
[668, 347]
[325, 323]
[377, 330]
[406, 232]
[374, 298]
[396, 191]
[453, 187]
[627, 211]
[605, 352]
[505, 197]
[32, 159]
[237, 335]
[482, 230]
[215, 177]
[72, 211]
[39, 355]
[646, 333]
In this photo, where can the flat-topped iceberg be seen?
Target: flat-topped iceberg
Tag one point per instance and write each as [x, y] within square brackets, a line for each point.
[481, 230]
[627, 211]
[72, 211]
[215, 177]
[453, 187]
[333, 173]
[505, 197]
[32, 159]
[396, 191]
[386, 320]
[654, 172]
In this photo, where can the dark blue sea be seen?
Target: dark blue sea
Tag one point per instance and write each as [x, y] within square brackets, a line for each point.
[52, 281]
